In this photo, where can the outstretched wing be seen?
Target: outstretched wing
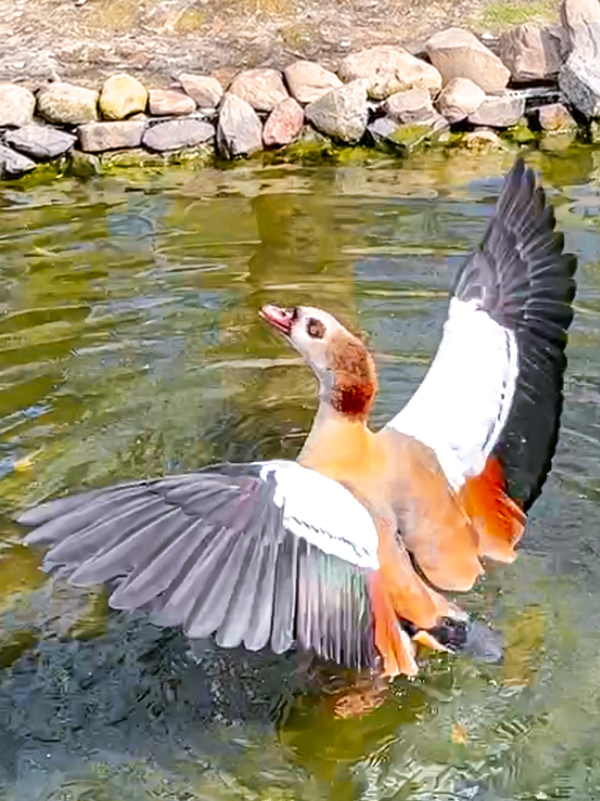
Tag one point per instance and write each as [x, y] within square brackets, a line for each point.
[265, 553]
[490, 404]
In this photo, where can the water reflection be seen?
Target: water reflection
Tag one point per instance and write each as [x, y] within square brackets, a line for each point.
[130, 346]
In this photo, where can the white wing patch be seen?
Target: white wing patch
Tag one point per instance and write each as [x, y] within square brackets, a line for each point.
[324, 513]
[462, 405]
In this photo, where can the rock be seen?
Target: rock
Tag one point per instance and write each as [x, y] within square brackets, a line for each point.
[17, 105]
[121, 96]
[13, 165]
[412, 106]
[459, 98]
[388, 69]
[239, 131]
[205, 91]
[407, 137]
[177, 134]
[579, 78]
[499, 112]
[557, 142]
[520, 133]
[41, 141]
[534, 52]
[284, 123]
[96, 137]
[578, 14]
[308, 81]
[263, 89]
[459, 54]
[169, 103]
[84, 165]
[556, 117]
[341, 113]
[66, 104]
[482, 140]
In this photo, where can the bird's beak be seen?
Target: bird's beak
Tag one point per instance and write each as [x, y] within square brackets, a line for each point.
[278, 318]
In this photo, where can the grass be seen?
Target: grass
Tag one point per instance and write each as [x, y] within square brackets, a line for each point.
[503, 14]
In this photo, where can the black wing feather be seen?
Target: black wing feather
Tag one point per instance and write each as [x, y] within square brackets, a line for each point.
[525, 282]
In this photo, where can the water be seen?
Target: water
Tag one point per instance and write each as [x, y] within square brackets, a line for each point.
[130, 346]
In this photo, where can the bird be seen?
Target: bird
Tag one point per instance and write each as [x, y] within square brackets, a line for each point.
[347, 552]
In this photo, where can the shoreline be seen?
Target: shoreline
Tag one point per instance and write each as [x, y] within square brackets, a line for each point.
[535, 85]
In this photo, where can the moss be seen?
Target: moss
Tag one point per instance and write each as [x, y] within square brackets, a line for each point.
[504, 14]
[520, 133]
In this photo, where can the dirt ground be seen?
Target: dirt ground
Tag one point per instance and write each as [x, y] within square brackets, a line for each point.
[84, 40]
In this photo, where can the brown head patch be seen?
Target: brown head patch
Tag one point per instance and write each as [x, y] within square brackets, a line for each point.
[315, 328]
[355, 378]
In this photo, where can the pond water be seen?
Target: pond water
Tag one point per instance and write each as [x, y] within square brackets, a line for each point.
[130, 346]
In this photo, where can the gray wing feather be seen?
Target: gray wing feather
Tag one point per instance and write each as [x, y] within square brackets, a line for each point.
[210, 552]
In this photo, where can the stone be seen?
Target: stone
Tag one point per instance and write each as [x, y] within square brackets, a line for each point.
[388, 69]
[41, 141]
[284, 123]
[12, 164]
[84, 165]
[121, 96]
[579, 78]
[482, 140]
[458, 53]
[96, 137]
[66, 104]
[309, 81]
[407, 137]
[578, 14]
[411, 106]
[342, 113]
[17, 105]
[499, 112]
[239, 130]
[534, 52]
[556, 118]
[169, 103]
[178, 134]
[459, 98]
[263, 89]
[204, 90]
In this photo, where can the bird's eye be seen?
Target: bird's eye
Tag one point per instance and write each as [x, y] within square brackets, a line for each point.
[315, 328]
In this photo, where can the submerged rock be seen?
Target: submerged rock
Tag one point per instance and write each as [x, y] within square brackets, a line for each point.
[309, 81]
[499, 112]
[459, 98]
[41, 141]
[407, 137]
[17, 105]
[341, 113]
[205, 91]
[556, 117]
[121, 96]
[386, 70]
[239, 131]
[482, 139]
[458, 53]
[14, 165]
[534, 52]
[96, 137]
[263, 89]
[284, 123]
[177, 134]
[66, 104]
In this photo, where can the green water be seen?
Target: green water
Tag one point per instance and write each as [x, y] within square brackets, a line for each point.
[130, 346]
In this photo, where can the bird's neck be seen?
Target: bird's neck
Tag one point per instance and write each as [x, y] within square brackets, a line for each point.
[336, 441]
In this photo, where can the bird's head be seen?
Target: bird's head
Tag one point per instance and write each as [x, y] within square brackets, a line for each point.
[340, 360]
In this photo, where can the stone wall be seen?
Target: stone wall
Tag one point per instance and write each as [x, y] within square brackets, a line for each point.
[537, 85]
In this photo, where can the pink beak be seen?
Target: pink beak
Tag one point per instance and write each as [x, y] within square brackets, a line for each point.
[281, 319]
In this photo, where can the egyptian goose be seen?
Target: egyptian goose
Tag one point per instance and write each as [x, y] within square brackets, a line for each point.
[346, 551]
